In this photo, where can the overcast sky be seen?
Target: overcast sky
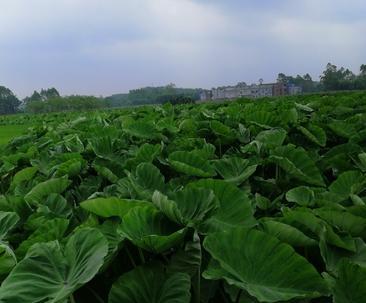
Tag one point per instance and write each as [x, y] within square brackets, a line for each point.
[103, 47]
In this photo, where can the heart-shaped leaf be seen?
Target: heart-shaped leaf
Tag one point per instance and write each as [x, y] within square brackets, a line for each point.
[191, 164]
[234, 170]
[148, 228]
[50, 273]
[149, 284]
[188, 207]
[42, 190]
[110, 207]
[267, 269]
[234, 207]
[297, 162]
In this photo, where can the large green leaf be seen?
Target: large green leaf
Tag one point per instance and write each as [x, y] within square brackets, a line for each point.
[106, 173]
[261, 118]
[296, 162]
[267, 269]
[70, 167]
[141, 129]
[225, 134]
[361, 163]
[350, 285]
[103, 147]
[344, 221]
[238, 295]
[333, 255]
[149, 229]
[349, 182]
[50, 273]
[146, 180]
[73, 143]
[110, 207]
[301, 195]
[149, 284]
[315, 134]
[221, 129]
[147, 152]
[234, 209]
[338, 157]
[109, 229]
[306, 221]
[191, 164]
[7, 258]
[187, 207]
[287, 233]
[51, 230]
[342, 128]
[42, 190]
[7, 222]
[25, 174]
[234, 170]
[271, 138]
[188, 259]
[206, 151]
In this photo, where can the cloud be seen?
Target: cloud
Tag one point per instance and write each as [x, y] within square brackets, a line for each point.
[109, 46]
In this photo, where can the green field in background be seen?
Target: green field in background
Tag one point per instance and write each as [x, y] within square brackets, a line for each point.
[8, 132]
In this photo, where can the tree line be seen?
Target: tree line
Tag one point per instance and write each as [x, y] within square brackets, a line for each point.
[45, 101]
[50, 100]
[332, 79]
[155, 95]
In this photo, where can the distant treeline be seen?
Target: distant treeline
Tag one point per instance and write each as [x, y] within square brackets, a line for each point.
[332, 79]
[69, 103]
[154, 95]
[49, 100]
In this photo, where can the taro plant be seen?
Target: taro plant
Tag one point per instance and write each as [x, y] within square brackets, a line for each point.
[245, 201]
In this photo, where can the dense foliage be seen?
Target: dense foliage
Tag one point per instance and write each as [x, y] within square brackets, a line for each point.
[247, 201]
[68, 103]
[332, 79]
[154, 95]
[43, 95]
[8, 101]
[49, 100]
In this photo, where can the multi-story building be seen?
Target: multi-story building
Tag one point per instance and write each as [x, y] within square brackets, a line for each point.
[250, 91]
[279, 89]
[206, 95]
[262, 90]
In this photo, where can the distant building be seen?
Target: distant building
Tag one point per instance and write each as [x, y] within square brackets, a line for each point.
[242, 90]
[206, 95]
[292, 89]
[279, 89]
[262, 90]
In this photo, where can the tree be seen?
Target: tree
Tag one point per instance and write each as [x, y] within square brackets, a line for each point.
[35, 97]
[363, 70]
[8, 101]
[44, 95]
[282, 78]
[360, 82]
[305, 82]
[307, 77]
[334, 78]
[47, 94]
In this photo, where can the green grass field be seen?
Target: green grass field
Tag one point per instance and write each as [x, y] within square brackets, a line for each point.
[8, 132]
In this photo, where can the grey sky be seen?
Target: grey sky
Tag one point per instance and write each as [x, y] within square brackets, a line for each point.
[102, 47]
